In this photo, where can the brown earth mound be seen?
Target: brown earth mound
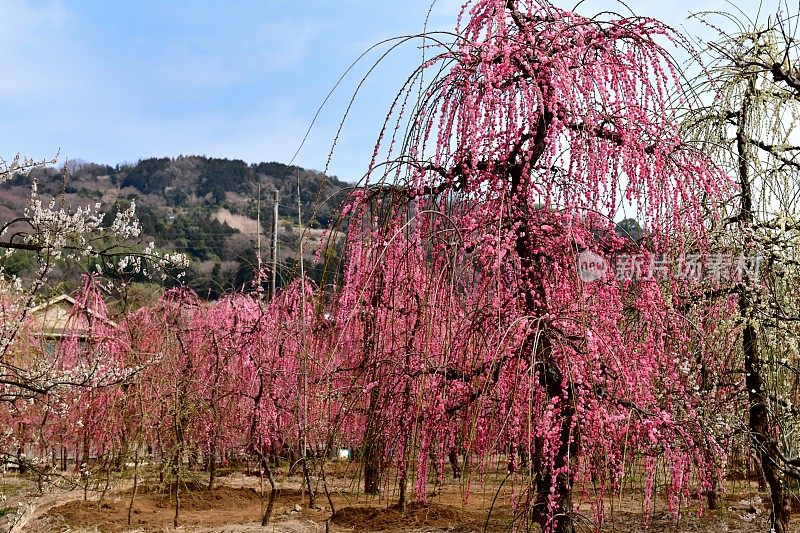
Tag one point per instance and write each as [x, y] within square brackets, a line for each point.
[154, 511]
[371, 518]
[219, 498]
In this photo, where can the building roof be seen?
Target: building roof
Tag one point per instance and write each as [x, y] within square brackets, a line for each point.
[55, 318]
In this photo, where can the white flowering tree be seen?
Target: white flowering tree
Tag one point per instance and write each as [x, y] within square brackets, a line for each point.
[753, 80]
[55, 233]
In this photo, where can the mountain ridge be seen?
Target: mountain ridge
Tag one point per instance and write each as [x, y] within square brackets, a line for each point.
[205, 207]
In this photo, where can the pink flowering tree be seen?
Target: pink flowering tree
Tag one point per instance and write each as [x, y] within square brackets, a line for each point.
[462, 274]
[85, 372]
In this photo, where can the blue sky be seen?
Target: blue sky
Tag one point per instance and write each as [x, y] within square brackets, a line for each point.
[117, 80]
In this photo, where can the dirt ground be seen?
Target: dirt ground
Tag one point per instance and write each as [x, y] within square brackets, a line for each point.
[235, 506]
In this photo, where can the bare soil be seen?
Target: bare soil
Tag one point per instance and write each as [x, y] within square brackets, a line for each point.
[236, 507]
[242, 223]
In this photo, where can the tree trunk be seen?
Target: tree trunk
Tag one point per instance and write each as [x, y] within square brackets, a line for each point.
[453, 457]
[177, 473]
[552, 506]
[325, 487]
[557, 517]
[135, 483]
[401, 500]
[371, 449]
[761, 437]
[372, 471]
[272, 492]
[312, 497]
[712, 498]
[212, 464]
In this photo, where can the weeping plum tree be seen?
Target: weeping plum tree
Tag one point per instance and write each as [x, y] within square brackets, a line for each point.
[528, 133]
[397, 315]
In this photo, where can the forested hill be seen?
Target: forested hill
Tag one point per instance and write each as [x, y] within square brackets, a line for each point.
[205, 207]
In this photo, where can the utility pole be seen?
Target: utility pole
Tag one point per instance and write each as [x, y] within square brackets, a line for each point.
[274, 277]
[303, 389]
[258, 234]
